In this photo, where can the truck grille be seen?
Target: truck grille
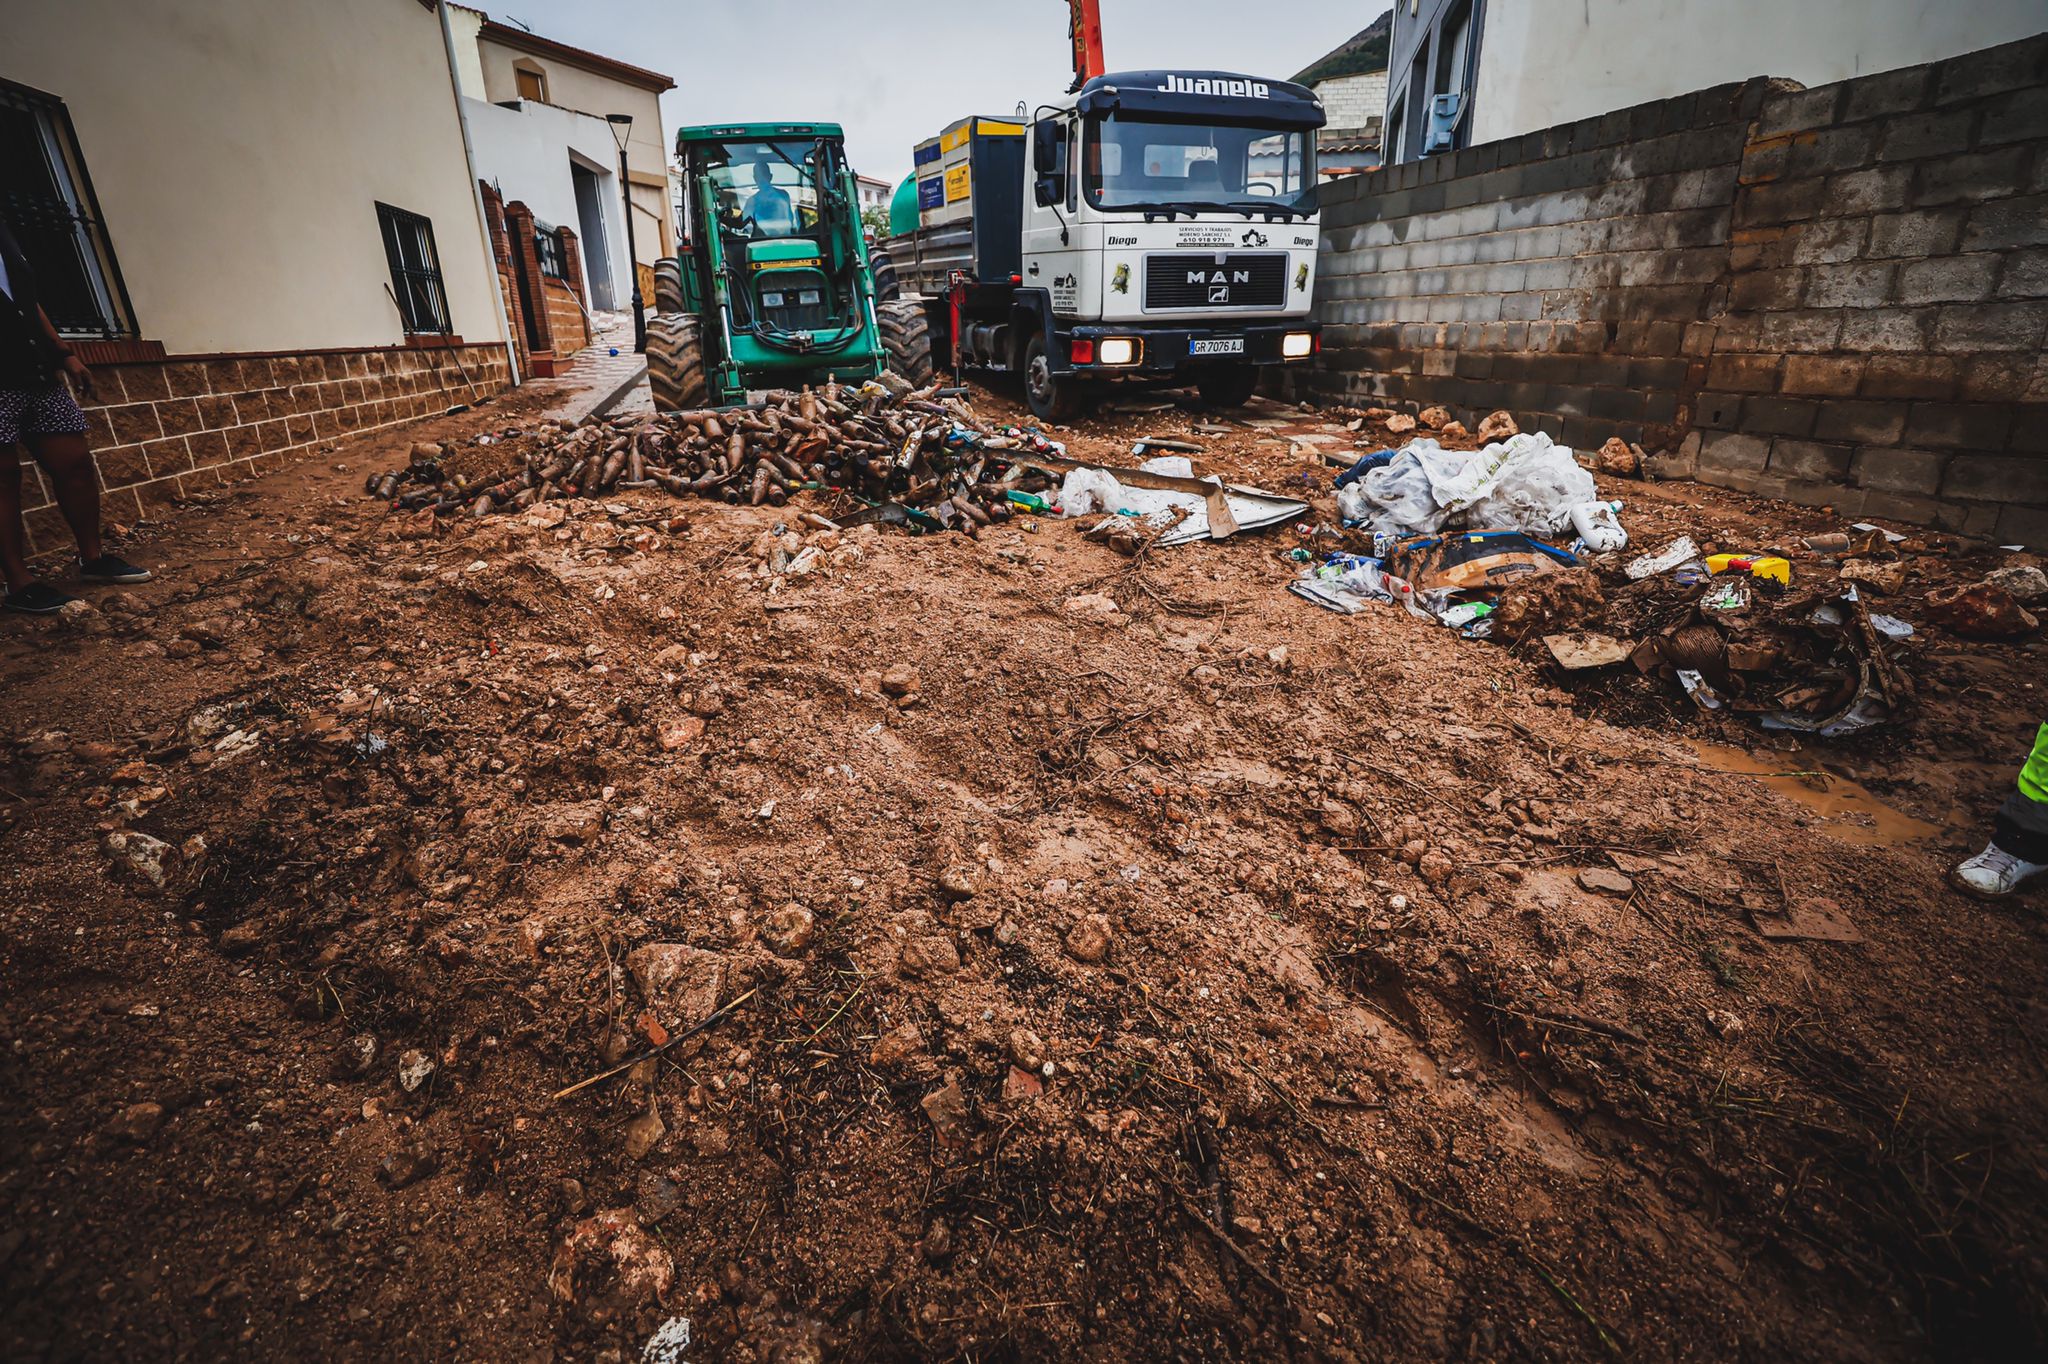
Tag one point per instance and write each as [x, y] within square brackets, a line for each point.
[1200, 279]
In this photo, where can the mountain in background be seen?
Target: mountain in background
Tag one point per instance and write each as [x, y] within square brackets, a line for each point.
[1363, 52]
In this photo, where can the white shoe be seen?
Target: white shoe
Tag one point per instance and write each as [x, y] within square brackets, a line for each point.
[1994, 873]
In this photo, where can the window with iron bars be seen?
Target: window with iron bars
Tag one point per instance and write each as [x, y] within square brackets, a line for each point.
[415, 270]
[47, 200]
[547, 245]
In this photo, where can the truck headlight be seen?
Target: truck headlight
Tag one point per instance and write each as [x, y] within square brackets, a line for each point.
[1297, 345]
[1117, 350]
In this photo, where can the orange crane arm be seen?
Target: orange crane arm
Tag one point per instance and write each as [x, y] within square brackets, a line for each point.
[1084, 26]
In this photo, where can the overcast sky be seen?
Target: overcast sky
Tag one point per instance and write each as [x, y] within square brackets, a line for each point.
[897, 71]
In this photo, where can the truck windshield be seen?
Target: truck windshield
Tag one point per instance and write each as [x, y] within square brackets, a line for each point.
[765, 189]
[1135, 163]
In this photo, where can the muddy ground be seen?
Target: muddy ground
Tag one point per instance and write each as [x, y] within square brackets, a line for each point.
[1144, 962]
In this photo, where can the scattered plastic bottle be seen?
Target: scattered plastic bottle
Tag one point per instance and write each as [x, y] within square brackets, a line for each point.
[1599, 527]
[1466, 613]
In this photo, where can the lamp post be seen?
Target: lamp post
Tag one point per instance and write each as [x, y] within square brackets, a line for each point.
[622, 127]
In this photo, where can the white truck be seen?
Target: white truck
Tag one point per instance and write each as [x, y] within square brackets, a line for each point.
[1152, 226]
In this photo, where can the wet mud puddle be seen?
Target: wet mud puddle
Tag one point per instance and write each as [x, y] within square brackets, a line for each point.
[1845, 810]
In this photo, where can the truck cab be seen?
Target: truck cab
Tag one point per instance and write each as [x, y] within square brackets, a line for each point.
[1166, 231]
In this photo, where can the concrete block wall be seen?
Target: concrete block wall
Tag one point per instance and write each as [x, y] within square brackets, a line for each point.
[1832, 295]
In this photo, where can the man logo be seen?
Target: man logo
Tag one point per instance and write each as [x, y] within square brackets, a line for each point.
[1219, 277]
[1219, 293]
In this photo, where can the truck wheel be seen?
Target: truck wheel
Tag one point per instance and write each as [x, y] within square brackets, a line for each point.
[1231, 387]
[675, 362]
[668, 285]
[1051, 397]
[907, 339]
[882, 266]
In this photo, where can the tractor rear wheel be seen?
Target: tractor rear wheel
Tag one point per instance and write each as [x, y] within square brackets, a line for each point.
[668, 285]
[882, 266]
[675, 362]
[907, 339]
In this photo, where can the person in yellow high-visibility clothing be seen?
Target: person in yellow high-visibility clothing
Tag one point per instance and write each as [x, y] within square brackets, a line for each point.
[2019, 840]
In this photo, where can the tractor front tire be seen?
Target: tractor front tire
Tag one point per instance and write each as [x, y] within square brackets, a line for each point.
[668, 285]
[882, 266]
[675, 363]
[907, 339]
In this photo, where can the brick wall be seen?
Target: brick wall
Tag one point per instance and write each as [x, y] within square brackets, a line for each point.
[164, 430]
[1834, 296]
[565, 319]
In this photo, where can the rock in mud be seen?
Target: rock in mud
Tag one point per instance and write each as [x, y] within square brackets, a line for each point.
[1497, 426]
[645, 1132]
[353, 1058]
[415, 1068]
[139, 855]
[948, 1111]
[931, 954]
[407, 1165]
[681, 983]
[1089, 940]
[1980, 611]
[1607, 881]
[2028, 584]
[789, 929]
[241, 938]
[137, 1123]
[577, 823]
[897, 1048]
[681, 734]
[1020, 1086]
[1435, 418]
[609, 1265]
[900, 680]
[959, 882]
[1435, 866]
[1026, 1048]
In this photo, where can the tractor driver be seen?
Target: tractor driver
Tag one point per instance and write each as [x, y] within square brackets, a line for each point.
[770, 209]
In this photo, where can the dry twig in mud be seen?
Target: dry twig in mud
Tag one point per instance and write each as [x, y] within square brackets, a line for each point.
[1465, 1219]
[1224, 1238]
[622, 1067]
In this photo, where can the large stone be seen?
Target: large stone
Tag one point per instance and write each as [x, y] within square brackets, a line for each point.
[1090, 939]
[681, 983]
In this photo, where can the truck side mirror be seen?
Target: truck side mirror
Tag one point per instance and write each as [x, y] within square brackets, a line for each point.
[1045, 147]
[1046, 189]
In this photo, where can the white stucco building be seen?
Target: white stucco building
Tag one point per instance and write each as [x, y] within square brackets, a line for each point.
[1521, 65]
[538, 124]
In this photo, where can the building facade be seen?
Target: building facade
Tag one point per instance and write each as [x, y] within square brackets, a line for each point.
[1512, 68]
[1351, 81]
[540, 114]
[256, 220]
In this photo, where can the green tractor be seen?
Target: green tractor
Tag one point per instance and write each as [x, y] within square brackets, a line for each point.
[774, 288]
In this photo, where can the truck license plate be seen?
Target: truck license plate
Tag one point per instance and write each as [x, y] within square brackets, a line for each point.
[1229, 345]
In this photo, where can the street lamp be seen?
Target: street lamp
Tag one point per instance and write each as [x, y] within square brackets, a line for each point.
[622, 127]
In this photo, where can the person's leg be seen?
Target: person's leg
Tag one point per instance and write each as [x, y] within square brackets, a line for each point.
[13, 539]
[67, 460]
[2018, 852]
[2023, 819]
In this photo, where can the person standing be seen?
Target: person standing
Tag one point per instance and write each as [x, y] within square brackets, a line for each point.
[2018, 851]
[37, 411]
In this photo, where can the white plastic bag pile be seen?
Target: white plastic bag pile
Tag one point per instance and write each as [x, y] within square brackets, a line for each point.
[1526, 483]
